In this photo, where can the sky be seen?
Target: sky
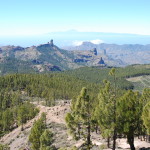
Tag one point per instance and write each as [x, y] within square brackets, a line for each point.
[31, 17]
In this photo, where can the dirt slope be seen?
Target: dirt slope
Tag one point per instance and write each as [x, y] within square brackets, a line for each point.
[55, 120]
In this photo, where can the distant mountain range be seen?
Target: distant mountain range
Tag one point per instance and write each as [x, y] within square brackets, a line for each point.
[71, 37]
[49, 57]
[127, 53]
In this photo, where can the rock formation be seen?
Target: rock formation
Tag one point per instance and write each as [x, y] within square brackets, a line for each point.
[51, 43]
[101, 62]
[94, 51]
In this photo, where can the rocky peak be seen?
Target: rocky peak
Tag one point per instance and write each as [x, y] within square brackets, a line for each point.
[51, 43]
[94, 51]
[101, 62]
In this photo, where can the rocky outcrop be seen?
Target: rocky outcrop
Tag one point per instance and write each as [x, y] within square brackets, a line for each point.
[94, 51]
[101, 62]
[51, 43]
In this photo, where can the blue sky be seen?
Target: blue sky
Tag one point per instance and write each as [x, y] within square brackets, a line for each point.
[31, 17]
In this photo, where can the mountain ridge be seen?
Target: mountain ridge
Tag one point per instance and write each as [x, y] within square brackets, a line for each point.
[49, 57]
[124, 52]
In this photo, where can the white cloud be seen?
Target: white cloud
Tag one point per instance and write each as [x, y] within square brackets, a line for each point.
[98, 41]
[77, 43]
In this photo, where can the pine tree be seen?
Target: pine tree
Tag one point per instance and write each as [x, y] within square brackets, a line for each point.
[7, 119]
[46, 140]
[4, 147]
[145, 98]
[79, 120]
[146, 117]
[129, 110]
[22, 116]
[106, 109]
[36, 131]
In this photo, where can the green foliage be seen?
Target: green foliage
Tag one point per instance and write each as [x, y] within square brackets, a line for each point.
[4, 147]
[72, 148]
[46, 140]
[50, 87]
[26, 112]
[104, 111]
[7, 119]
[79, 120]
[97, 75]
[145, 96]
[106, 108]
[13, 110]
[36, 131]
[12, 65]
[46, 86]
[40, 137]
[129, 111]
[146, 117]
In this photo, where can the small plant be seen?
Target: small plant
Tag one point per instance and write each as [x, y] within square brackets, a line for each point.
[103, 146]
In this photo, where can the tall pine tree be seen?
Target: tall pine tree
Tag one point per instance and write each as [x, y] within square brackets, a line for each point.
[106, 109]
[129, 109]
[79, 119]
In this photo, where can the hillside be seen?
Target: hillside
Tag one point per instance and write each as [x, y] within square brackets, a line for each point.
[124, 52]
[97, 75]
[140, 82]
[48, 57]
[24, 97]
[55, 119]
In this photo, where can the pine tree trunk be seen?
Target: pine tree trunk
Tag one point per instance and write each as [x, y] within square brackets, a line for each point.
[130, 139]
[96, 129]
[108, 142]
[114, 139]
[79, 130]
[21, 126]
[89, 137]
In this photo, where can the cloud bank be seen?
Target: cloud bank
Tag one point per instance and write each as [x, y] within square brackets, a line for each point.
[78, 43]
